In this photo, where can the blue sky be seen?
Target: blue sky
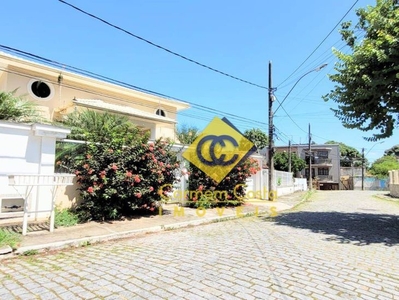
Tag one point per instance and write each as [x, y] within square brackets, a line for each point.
[235, 37]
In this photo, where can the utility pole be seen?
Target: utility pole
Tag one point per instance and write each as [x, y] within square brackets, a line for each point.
[272, 191]
[362, 169]
[272, 186]
[310, 161]
[289, 156]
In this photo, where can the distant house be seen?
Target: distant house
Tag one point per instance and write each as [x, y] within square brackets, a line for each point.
[325, 162]
[59, 92]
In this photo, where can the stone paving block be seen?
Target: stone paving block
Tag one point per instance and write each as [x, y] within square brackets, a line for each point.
[380, 297]
[382, 294]
[192, 296]
[261, 289]
[393, 292]
[226, 289]
[299, 290]
[326, 290]
[370, 284]
[114, 297]
[102, 292]
[128, 294]
[344, 289]
[242, 283]
[231, 260]
[366, 297]
[245, 296]
[18, 292]
[301, 296]
[66, 296]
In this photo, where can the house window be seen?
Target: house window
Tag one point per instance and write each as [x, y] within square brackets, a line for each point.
[40, 90]
[307, 172]
[323, 171]
[160, 112]
[322, 154]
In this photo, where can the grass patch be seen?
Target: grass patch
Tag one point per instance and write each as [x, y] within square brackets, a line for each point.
[305, 198]
[9, 239]
[65, 218]
[85, 244]
[30, 252]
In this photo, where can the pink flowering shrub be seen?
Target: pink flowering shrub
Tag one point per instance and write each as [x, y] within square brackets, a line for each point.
[205, 192]
[116, 181]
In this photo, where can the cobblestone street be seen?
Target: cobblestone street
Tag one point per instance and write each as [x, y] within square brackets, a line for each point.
[338, 245]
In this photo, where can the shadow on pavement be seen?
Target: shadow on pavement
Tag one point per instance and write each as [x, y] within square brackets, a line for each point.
[359, 228]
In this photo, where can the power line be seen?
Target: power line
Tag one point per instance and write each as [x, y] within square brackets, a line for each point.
[327, 58]
[290, 117]
[318, 46]
[80, 71]
[124, 84]
[191, 115]
[322, 58]
[160, 47]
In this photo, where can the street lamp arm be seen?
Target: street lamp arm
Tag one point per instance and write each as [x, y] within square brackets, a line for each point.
[373, 147]
[289, 92]
[272, 191]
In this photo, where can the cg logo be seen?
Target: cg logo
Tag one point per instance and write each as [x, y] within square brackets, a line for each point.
[216, 140]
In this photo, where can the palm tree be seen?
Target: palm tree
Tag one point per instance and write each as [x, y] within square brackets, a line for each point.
[187, 134]
[17, 109]
[95, 127]
[101, 127]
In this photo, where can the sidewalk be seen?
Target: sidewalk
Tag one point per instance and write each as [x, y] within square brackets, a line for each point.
[40, 239]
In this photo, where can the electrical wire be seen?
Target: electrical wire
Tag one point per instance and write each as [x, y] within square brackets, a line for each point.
[360, 35]
[242, 123]
[161, 47]
[292, 118]
[318, 46]
[127, 85]
[196, 106]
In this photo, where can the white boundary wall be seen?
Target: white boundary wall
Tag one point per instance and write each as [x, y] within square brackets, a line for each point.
[27, 149]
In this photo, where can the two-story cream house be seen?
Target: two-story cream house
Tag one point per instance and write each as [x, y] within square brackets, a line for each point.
[58, 92]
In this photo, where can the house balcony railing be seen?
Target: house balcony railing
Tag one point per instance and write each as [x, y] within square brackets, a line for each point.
[322, 162]
[325, 177]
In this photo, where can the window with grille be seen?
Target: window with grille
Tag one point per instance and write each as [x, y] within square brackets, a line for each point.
[323, 171]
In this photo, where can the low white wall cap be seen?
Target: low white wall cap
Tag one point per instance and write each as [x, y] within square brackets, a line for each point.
[15, 125]
[50, 131]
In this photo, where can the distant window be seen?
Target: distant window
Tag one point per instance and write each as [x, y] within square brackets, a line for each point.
[322, 154]
[307, 172]
[40, 89]
[322, 171]
[160, 112]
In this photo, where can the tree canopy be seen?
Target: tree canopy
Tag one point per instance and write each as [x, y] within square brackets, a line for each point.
[103, 127]
[281, 162]
[187, 134]
[95, 127]
[367, 80]
[382, 165]
[17, 109]
[257, 137]
[393, 151]
[348, 155]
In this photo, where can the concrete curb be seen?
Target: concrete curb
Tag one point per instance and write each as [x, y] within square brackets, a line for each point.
[126, 234]
[79, 242]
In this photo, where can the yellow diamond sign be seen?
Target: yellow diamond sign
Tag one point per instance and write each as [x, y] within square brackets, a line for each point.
[218, 149]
